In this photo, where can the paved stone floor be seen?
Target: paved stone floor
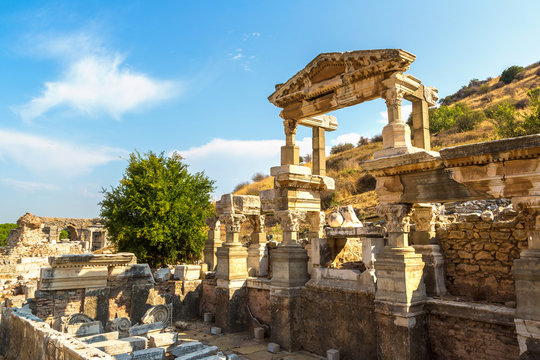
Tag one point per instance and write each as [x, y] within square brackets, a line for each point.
[242, 344]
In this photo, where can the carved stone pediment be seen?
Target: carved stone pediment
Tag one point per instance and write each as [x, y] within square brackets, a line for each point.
[335, 80]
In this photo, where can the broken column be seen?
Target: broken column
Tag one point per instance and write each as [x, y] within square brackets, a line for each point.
[527, 277]
[257, 252]
[425, 243]
[212, 243]
[400, 294]
[316, 220]
[290, 153]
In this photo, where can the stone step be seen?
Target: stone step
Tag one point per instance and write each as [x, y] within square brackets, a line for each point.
[144, 329]
[205, 352]
[186, 348]
[121, 346]
[149, 354]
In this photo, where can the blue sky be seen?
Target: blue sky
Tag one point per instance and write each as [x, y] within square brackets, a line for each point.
[84, 83]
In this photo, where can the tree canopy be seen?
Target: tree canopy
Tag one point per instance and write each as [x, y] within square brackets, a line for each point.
[158, 210]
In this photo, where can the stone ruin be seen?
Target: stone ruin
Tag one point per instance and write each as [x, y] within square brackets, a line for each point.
[452, 270]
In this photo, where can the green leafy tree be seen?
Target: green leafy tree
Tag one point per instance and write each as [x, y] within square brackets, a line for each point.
[503, 117]
[4, 232]
[158, 210]
[531, 123]
[64, 234]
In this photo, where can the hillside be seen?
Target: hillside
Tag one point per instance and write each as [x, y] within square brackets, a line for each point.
[356, 187]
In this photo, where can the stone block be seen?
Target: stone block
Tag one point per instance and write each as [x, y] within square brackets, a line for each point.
[120, 346]
[214, 330]
[96, 303]
[162, 275]
[145, 329]
[273, 348]
[203, 353]
[113, 335]
[85, 329]
[163, 340]
[186, 348]
[149, 354]
[238, 204]
[332, 354]
[73, 278]
[208, 317]
[233, 357]
[187, 272]
[258, 333]
[123, 357]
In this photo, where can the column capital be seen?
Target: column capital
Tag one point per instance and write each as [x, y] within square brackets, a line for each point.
[290, 220]
[316, 222]
[290, 126]
[232, 222]
[212, 222]
[397, 217]
[257, 221]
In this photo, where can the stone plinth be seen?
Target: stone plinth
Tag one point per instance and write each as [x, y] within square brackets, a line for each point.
[433, 270]
[232, 265]
[284, 303]
[289, 266]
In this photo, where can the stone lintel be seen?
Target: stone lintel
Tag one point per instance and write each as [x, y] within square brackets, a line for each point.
[238, 204]
[326, 122]
[81, 260]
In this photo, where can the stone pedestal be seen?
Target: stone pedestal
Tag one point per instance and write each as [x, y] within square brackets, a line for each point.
[232, 265]
[289, 266]
[284, 304]
[401, 294]
[212, 243]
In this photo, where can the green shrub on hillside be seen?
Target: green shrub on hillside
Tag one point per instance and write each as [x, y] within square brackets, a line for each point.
[4, 232]
[459, 117]
[509, 123]
[336, 149]
[510, 74]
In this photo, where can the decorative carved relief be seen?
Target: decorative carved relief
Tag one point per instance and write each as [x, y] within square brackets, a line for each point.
[290, 220]
[158, 313]
[423, 217]
[77, 318]
[119, 324]
[397, 216]
[316, 221]
[257, 221]
[290, 127]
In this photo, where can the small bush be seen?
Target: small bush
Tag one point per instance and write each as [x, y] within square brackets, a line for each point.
[510, 74]
[64, 234]
[483, 89]
[239, 186]
[362, 141]
[307, 159]
[339, 148]
[4, 232]
[503, 117]
[365, 183]
[258, 177]
[522, 104]
[376, 138]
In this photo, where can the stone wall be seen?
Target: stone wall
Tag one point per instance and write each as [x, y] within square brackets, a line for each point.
[479, 251]
[464, 331]
[40, 341]
[337, 319]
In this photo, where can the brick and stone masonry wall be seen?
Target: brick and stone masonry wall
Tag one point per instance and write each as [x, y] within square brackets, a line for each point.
[479, 251]
[24, 336]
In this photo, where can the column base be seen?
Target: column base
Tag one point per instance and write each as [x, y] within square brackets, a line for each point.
[231, 263]
[433, 269]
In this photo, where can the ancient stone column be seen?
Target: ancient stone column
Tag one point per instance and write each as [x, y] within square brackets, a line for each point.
[319, 155]
[316, 222]
[527, 277]
[212, 243]
[231, 275]
[257, 252]
[289, 266]
[425, 243]
[400, 294]
[290, 153]
[397, 133]
[420, 115]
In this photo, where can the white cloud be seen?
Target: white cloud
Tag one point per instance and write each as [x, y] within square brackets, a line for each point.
[230, 162]
[346, 138]
[95, 81]
[238, 55]
[405, 112]
[46, 156]
[28, 185]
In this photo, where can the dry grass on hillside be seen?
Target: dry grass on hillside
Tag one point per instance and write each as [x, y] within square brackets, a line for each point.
[255, 187]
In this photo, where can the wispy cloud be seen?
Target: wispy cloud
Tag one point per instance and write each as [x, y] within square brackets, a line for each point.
[237, 54]
[230, 162]
[247, 36]
[45, 156]
[95, 81]
[28, 185]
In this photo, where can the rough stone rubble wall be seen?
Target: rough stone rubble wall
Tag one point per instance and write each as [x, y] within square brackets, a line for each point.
[479, 251]
[25, 337]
